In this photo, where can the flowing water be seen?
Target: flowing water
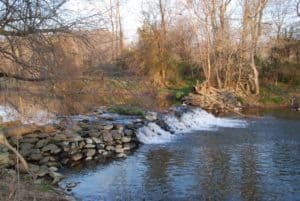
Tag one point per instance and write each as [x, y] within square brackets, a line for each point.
[207, 158]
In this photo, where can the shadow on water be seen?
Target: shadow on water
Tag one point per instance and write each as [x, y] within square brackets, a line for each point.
[259, 162]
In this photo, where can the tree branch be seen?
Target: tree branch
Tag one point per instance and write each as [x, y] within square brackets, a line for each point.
[298, 8]
[21, 78]
[35, 31]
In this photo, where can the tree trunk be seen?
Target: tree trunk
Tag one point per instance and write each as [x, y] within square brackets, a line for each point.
[256, 75]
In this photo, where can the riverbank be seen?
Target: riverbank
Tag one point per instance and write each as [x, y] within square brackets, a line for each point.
[26, 188]
[99, 136]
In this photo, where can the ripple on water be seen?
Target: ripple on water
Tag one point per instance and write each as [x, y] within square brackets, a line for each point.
[258, 162]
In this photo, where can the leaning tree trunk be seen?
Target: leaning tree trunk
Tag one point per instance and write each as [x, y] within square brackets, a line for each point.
[4, 142]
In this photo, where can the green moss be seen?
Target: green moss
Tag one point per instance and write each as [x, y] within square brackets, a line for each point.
[126, 110]
[46, 188]
[179, 95]
[181, 91]
[240, 99]
[275, 95]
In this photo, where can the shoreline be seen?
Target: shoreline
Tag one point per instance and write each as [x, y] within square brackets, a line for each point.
[89, 139]
[51, 148]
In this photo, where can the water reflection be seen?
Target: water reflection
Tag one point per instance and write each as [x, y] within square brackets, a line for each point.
[250, 180]
[157, 176]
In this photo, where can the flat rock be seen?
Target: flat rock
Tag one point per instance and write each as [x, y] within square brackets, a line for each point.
[94, 134]
[81, 144]
[107, 137]
[116, 134]
[4, 160]
[97, 140]
[89, 141]
[120, 128]
[89, 158]
[75, 138]
[75, 128]
[126, 139]
[45, 160]
[108, 127]
[34, 168]
[59, 137]
[129, 146]
[90, 152]
[57, 177]
[35, 157]
[52, 148]
[35, 151]
[151, 116]
[53, 169]
[26, 146]
[119, 150]
[43, 170]
[110, 148]
[101, 151]
[128, 132]
[29, 140]
[42, 143]
[77, 157]
[89, 146]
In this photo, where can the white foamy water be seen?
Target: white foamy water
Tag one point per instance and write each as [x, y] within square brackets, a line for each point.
[153, 134]
[192, 120]
[28, 116]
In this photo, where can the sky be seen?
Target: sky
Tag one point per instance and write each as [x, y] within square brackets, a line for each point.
[131, 12]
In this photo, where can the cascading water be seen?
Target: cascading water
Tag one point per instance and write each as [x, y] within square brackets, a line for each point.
[188, 120]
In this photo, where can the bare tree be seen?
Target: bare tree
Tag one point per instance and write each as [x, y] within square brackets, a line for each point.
[279, 11]
[153, 39]
[298, 8]
[26, 23]
[116, 28]
[252, 20]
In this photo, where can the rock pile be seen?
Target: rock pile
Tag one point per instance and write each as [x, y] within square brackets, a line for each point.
[48, 150]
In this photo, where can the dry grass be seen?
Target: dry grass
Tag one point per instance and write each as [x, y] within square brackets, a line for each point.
[26, 189]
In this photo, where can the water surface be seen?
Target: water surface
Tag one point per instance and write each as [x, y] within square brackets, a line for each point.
[258, 162]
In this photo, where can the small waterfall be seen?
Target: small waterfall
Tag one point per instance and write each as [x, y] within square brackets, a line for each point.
[153, 134]
[184, 120]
